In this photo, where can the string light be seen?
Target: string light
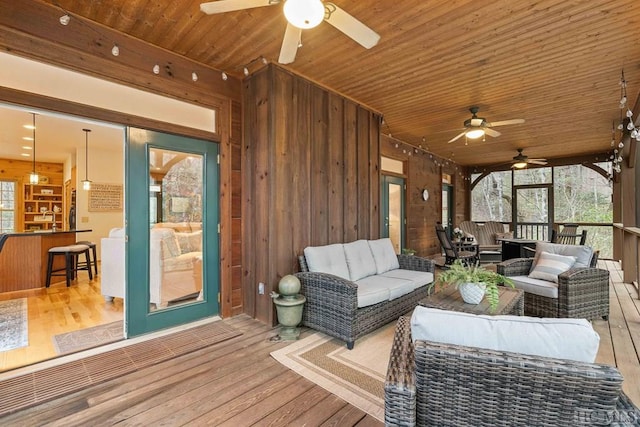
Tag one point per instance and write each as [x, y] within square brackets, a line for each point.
[64, 19]
[634, 132]
[115, 50]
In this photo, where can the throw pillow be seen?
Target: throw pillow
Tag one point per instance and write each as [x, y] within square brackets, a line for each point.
[583, 254]
[384, 255]
[572, 339]
[550, 265]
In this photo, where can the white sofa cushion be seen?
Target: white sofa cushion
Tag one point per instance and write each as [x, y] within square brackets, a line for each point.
[543, 288]
[583, 254]
[384, 255]
[328, 259]
[417, 278]
[550, 265]
[359, 259]
[370, 289]
[371, 292]
[572, 339]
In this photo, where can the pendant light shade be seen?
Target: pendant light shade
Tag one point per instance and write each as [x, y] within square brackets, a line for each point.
[86, 184]
[33, 176]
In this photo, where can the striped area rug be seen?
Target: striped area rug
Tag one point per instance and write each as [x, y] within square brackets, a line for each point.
[357, 375]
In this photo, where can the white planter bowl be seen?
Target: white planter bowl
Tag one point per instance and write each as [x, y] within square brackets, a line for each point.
[472, 293]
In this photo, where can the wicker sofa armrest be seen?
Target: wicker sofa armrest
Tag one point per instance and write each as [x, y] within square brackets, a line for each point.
[486, 388]
[515, 267]
[399, 386]
[412, 262]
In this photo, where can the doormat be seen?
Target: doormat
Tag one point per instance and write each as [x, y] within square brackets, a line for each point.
[83, 339]
[14, 329]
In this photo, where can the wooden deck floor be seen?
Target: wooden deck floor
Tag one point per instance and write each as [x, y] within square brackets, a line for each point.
[237, 383]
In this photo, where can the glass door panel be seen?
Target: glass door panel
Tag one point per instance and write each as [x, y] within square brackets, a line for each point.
[172, 230]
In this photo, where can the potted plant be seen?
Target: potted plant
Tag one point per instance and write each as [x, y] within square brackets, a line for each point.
[407, 251]
[473, 282]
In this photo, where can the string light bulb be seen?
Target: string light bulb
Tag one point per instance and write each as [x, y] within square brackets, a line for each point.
[194, 76]
[156, 69]
[64, 19]
[115, 50]
[224, 76]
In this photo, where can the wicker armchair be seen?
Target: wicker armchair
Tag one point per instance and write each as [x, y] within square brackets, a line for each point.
[332, 304]
[433, 384]
[582, 292]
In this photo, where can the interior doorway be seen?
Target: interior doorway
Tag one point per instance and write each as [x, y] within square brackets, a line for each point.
[393, 211]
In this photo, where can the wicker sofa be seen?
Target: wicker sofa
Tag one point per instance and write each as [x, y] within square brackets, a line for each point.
[435, 384]
[581, 292]
[334, 305]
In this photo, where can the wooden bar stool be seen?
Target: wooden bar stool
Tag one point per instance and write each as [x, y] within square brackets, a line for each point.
[92, 247]
[70, 269]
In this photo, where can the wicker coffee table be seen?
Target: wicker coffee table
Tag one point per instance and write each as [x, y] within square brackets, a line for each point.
[448, 298]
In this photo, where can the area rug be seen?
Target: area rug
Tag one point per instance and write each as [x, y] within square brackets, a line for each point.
[83, 339]
[14, 329]
[357, 375]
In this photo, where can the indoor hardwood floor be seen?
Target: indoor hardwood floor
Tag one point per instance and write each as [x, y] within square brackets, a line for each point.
[237, 383]
[56, 310]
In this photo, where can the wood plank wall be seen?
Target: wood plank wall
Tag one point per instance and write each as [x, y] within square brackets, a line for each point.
[31, 29]
[424, 170]
[310, 177]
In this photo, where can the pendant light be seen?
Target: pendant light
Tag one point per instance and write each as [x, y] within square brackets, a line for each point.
[33, 177]
[86, 184]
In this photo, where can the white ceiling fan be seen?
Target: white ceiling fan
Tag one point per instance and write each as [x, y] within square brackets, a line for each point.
[521, 161]
[302, 14]
[476, 127]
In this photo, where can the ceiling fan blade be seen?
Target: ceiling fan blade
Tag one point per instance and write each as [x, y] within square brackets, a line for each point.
[507, 122]
[537, 161]
[456, 137]
[290, 44]
[222, 6]
[492, 132]
[349, 25]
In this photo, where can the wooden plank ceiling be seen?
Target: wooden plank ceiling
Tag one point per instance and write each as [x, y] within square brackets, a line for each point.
[554, 63]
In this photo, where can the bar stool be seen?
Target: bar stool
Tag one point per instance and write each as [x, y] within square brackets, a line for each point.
[70, 269]
[92, 246]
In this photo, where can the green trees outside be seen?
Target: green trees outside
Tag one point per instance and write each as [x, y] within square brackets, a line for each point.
[580, 195]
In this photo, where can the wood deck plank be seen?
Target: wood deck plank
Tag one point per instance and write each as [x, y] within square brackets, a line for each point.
[236, 382]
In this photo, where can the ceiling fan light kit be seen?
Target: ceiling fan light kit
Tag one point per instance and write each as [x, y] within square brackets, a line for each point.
[304, 14]
[477, 127]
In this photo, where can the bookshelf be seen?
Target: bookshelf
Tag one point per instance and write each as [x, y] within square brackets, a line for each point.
[41, 198]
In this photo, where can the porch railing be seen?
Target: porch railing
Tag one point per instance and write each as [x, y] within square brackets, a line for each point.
[599, 235]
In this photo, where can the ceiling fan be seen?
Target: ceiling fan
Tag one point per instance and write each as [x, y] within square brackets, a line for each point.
[301, 15]
[521, 161]
[476, 127]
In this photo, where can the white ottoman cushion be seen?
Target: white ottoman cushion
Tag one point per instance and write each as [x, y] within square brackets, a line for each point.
[572, 339]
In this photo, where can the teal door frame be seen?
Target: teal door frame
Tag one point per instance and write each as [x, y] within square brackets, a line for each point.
[139, 318]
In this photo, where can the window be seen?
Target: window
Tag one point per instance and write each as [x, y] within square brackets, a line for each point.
[7, 206]
[491, 198]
